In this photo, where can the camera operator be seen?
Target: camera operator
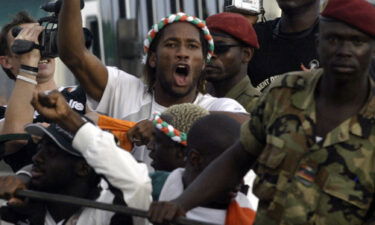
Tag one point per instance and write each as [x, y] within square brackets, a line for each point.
[30, 73]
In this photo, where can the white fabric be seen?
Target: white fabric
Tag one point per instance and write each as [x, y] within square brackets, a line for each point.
[118, 166]
[127, 97]
[173, 187]
[89, 215]
[249, 180]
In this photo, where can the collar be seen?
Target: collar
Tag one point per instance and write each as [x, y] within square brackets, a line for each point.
[241, 87]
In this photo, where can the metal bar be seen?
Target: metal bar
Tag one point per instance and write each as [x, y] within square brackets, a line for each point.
[98, 205]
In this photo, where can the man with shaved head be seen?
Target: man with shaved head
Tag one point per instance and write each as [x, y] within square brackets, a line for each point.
[208, 138]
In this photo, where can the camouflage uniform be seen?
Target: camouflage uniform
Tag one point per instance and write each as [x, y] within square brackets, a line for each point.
[300, 180]
[244, 93]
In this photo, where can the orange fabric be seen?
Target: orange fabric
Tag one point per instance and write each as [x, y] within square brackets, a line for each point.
[118, 128]
[239, 216]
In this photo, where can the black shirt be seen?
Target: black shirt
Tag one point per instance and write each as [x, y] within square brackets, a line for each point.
[76, 98]
[372, 69]
[280, 52]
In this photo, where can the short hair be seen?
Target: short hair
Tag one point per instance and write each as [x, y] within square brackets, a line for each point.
[18, 19]
[183, 116]
[213, 134]
[149, 72]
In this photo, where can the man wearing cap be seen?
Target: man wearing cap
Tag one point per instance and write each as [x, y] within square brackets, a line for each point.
[311, 136]
[60, 168]
[235, 41]
[177, 49]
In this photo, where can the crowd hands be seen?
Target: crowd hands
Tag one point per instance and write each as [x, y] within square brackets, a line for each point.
[165, 146]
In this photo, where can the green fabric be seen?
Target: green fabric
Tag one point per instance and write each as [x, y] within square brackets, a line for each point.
[244, 93]
[300, 180]
[158, 179]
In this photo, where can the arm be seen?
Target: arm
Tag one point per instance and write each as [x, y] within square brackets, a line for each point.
[118, 166]
[100, 150]
[19, 111]
[88, 69]
[233, 165]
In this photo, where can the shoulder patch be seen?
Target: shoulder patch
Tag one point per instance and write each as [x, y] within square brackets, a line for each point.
[294, 80]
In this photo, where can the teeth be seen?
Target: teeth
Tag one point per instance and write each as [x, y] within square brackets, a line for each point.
[43, 61]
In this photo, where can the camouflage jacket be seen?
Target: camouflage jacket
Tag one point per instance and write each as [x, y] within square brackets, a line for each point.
[244, 93]
[302, 180]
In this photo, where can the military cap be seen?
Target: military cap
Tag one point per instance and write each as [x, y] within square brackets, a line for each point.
[235, 25]
[356, 13]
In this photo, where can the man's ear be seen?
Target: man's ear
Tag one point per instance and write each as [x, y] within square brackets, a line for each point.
[195, 158]
[152, 59]
[82, 168]
[5, 62]
[247, 54]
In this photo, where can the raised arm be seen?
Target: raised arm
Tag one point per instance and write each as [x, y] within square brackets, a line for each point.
[86, 67]
[100, 150]
[19, 111]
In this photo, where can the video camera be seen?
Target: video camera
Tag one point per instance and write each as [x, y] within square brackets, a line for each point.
[48, 38]
[248, 7]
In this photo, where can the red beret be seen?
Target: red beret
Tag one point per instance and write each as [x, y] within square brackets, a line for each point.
[357, 13]
[235, 25]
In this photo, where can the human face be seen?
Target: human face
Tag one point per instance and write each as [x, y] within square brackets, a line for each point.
[166, 154]
[293, 5]
[46, 66]
[178, 59]
[53, 169]
[345, 52]
[224, 64]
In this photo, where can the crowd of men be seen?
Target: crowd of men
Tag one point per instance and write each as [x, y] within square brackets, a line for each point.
[224, 112]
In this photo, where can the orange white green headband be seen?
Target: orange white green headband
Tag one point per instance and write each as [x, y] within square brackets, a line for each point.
[169, 130]
[180, 17]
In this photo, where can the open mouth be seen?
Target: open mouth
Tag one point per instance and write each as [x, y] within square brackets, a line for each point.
[181, 74]
[44, 61]
[182, 70]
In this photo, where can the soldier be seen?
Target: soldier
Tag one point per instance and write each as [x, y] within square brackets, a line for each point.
[312, 135]
[235, 41]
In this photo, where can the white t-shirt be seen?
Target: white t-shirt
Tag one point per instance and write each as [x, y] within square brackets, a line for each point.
[173, 187]
[126, 97]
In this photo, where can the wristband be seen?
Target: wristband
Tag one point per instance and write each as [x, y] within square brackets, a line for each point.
[30, 68]
[29, 72]
[26, 79]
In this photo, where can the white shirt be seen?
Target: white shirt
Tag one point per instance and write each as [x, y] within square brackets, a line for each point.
[126, 97]
[117, 165]
[173, 188]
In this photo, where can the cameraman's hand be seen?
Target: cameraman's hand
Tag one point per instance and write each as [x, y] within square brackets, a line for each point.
[53, 106]
[8, 187]
[30, 32]
[142, 133]
[165, 212]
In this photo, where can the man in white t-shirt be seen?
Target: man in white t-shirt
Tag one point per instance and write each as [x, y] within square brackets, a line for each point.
[177, 49]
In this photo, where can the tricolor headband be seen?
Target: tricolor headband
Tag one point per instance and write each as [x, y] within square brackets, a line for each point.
[180, 17]
[169, 130]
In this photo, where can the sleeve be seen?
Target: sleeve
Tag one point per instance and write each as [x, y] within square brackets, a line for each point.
[227, 105]
[118, 166]
[253, 132]
[121, 92]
